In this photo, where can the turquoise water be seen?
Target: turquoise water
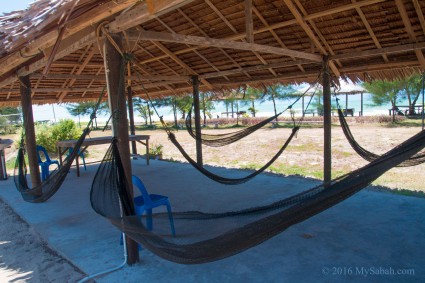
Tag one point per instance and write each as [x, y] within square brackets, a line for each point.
[44, 112]
[354, 101]
[265, 109]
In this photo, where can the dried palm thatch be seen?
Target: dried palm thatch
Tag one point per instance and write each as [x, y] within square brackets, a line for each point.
[223, 42]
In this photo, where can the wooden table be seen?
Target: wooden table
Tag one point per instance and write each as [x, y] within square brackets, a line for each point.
[63, 146]
[4, 143]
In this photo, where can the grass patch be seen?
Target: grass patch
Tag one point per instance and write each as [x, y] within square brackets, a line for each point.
[307, 147]
[405, 123]
[402, 192]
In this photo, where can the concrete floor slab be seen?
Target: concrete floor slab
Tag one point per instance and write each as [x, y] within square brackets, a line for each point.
[371, 237]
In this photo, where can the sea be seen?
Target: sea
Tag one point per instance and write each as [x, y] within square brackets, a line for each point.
[56, 112]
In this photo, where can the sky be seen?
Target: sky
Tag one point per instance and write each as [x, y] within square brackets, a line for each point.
[13, 5]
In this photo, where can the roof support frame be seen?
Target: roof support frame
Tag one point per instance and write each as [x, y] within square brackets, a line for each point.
[221, 43]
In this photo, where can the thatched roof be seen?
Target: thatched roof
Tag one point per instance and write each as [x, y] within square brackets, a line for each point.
[222, 41]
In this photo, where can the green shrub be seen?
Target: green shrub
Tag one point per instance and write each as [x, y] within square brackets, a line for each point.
[47, 136]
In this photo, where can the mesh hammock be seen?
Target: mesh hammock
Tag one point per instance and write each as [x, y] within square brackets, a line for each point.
[219, 140]
[230, 181]
[225, 139]
[416, 159]
[206, 237]
[52, 184]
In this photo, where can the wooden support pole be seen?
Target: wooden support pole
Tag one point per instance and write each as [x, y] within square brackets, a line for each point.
[25, 88]
[327, 155]
[346, 105]
[361, 104]
[114, 69]
[303, 111]
[195, 82]
[249, 26]
[131, 116]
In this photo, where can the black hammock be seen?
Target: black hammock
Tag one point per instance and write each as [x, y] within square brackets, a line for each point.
[219, 140]
[52, 184]
[416, 159]
[230, 181]
[205, 237]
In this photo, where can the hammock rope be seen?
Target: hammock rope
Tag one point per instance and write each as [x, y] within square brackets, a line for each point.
[416, 159]
[52, 184]
[203, 236]
[232, 138]
[219, 140]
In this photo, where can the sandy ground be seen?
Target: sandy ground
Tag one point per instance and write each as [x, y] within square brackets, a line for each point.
[25, 257]
[304, 156]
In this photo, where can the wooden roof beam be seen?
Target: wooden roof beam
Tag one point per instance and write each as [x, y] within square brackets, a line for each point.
[149, 69]
[195, 51]
[236, 32]
[79, 89]
[316, 30]
[281, 25]
[206, 35]
[222, 43]
[274, 34]
[369, 29]
[67, 46]
[93, 80]
[79, 71]
[249, 24]
[300, 20]
[74, 26]
[255, 68]
[409, 29]
[379, 51]
[418, 10]
[179, 61]
[140, 14]
[102, 77]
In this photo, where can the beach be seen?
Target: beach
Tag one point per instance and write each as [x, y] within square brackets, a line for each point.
[26, 257]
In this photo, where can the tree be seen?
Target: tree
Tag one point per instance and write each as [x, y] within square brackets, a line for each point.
[12, 114]
[250, 96]
[317, 102]
[144, 110]
[412, 87]
[87, 108]
[277, 92]
[171, 102]
[184, 104]
[207, 105]
[384, 91]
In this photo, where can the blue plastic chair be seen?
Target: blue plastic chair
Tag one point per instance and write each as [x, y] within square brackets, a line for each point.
[44, 164]
[81, 154]
[146, 202]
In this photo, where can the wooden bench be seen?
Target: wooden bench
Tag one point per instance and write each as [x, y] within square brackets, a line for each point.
[348, 111]
[310, 111]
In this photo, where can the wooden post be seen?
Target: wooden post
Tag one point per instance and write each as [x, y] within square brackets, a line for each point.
[303, 111]
[195, 82]
[327, 156]
[346, 105]
[361, 104]
[249, 21]
[131, 116]
[114, 69]
[423, 101]
[26, 101]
